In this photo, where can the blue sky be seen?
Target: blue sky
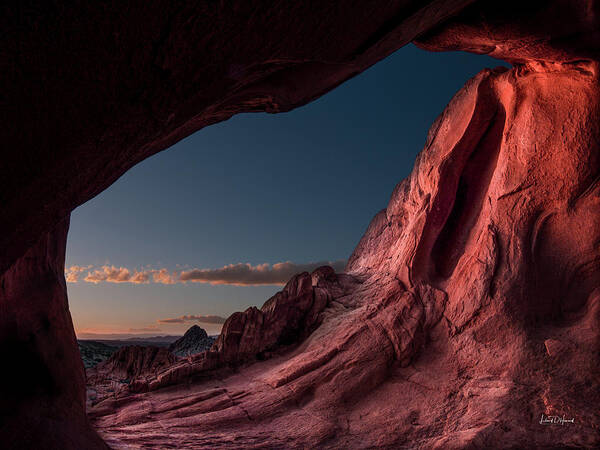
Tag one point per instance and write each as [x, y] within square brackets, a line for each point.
[259, 188]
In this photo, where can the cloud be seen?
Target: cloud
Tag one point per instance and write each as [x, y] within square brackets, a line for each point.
[150, 328]
[192, 318]
[248, 275]
[163, 276]
[140, 277]
[72, 273]
[112, 274]
[233, 274]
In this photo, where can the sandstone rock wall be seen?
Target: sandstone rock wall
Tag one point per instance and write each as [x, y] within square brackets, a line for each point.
[477, 307]
[42, 383]
[477, 302]
[91, 89]
[285, 320]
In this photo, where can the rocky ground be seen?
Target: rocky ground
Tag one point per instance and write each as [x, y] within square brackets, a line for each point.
[111, 368]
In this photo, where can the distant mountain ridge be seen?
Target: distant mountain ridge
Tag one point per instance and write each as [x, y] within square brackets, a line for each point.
[126, 337]
[95, 351]
[195, 340]
[166, 338]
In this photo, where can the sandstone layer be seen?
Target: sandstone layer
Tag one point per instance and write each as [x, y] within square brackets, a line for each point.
[284, 320]
[91, 89]
[133, 361]
[109, 377]
[42, 396]
[477, 311]
[474, 306]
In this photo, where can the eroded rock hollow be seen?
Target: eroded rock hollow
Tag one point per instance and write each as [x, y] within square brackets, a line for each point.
[470, 307]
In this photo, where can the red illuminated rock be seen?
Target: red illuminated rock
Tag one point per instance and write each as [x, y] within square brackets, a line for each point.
[90, 90]
[522, 32]
[285, 319]
[42, 383]
[477, 309]
[127, 364]
[134, 361]
[477, 305]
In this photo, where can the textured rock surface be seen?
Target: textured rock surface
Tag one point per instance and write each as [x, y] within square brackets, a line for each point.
[92, 89]
[133, 361]
[478, 307]
[285, 319]
[42, 383]
[115, 374]
[195, 340]
[522, 31]
[478, 302]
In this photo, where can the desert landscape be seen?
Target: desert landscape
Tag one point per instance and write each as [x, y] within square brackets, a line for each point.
[468, 315]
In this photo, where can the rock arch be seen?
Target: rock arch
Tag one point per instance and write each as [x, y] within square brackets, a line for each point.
[484, 313]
